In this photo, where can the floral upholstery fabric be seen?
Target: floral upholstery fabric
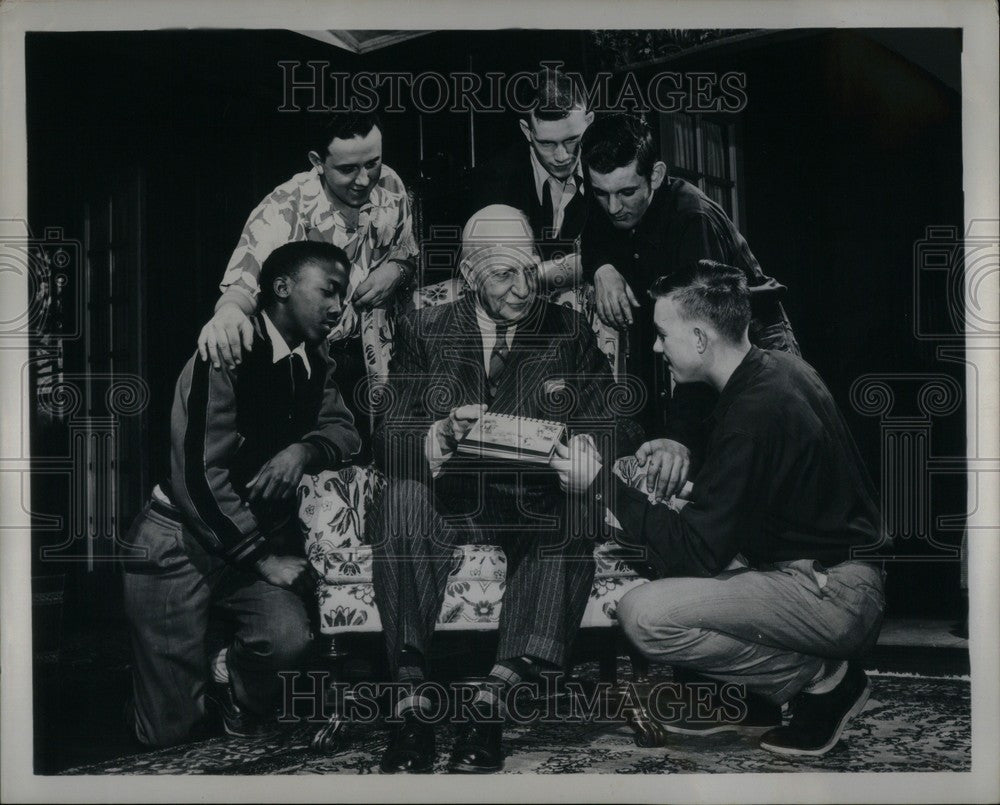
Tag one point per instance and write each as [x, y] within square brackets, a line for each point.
[333, 507]
[332, 512]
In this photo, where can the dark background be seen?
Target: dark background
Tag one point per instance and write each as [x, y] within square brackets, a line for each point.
[153, 147]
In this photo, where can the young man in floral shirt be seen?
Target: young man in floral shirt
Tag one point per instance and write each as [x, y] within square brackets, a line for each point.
[354, 201]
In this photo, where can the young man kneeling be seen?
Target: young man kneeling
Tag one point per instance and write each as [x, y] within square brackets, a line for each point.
[221, 532]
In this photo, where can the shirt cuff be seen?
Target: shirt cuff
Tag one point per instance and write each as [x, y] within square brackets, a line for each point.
[436, 455]
[246, 554]
[330, 454]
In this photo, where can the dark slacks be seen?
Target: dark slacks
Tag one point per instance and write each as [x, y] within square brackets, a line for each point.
[549, 570]
[168, 599]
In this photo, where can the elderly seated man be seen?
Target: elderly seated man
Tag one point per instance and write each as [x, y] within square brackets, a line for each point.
[505, 350]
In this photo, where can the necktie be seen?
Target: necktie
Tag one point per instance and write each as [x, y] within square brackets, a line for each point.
[548, 210]
[299, 376]
[498, 358]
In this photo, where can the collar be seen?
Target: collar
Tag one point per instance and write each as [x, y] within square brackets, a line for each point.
[651, 225]
[542, 176]
[488, 326]
[279, 347]
[738, 382]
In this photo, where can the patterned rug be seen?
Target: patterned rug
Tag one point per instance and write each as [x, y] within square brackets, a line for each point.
[910, 723]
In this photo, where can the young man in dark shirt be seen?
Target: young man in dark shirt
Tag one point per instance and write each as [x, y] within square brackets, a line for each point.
[646, 224]
[221, 532]
[756, 584]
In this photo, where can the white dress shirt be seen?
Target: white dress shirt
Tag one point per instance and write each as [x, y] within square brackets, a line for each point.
[562, 191]
[280, 348]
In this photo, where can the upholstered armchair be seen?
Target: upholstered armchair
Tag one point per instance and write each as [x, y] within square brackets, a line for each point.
[332, 511]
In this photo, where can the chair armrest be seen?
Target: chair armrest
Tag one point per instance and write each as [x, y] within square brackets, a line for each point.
[581, 298]
[332, 510]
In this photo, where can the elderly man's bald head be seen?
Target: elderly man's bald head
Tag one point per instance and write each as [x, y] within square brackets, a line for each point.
[498, 226]
[499, 261]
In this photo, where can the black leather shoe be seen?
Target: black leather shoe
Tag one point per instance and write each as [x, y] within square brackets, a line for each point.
[237, 721]
[410, 749]
[478, 749]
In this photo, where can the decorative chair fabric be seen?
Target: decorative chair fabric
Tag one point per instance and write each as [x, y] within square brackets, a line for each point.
[332, 512]
[333, 506]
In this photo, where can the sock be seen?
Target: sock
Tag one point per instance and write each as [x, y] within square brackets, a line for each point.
[503, 676]
[827, 679]
[220, 671]
[410, 673]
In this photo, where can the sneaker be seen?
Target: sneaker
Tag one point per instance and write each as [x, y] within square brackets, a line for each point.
[723, 715]
[237, 721]
[818, 719]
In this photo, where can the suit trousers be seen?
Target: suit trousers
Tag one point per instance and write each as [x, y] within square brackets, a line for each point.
[549, 574]
[771, 630]
[169, 595]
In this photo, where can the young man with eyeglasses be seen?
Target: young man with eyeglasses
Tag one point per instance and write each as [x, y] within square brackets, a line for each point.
[542, 176]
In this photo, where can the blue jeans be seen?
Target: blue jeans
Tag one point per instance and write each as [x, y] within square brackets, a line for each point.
[771, 630]
[168, 598]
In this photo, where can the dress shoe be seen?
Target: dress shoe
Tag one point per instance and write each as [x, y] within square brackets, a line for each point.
[478, 748]
[410, 749]
[236, 720]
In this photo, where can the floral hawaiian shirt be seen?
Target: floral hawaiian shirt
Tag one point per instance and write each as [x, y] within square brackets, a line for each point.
[299, 209]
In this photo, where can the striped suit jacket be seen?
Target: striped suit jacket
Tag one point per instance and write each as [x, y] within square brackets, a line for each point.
[555, 371]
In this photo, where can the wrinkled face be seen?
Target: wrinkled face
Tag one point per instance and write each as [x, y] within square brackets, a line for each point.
[623, 194]
[351, 168]
[677, 341]
[557, 142]
[505, 280]
[315, 301]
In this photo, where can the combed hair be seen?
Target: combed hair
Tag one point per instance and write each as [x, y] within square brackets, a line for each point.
[617, 140]
[344, 126]
[555, 95]
[290, 258]
[716, 293]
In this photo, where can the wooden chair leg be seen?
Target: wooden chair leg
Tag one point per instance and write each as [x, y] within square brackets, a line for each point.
[640, 665]
[331, 737]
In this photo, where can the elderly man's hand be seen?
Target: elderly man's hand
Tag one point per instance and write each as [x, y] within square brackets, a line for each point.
[225, 337]
[454, 427]
[576, 464]
[667, 464]
[613, 298]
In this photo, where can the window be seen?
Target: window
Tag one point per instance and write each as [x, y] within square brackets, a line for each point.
[704, 151]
